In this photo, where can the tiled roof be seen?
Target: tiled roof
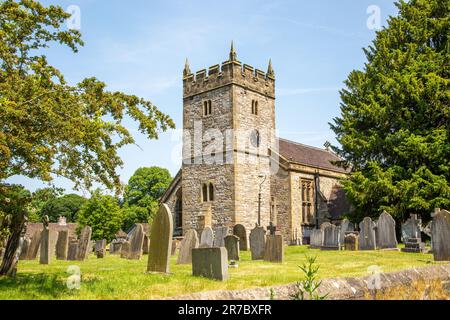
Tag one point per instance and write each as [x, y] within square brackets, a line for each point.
[307, 155]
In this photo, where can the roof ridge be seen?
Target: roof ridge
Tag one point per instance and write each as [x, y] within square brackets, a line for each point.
[305, 145]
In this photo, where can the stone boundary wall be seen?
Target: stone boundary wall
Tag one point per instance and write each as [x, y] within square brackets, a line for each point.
[338, 289]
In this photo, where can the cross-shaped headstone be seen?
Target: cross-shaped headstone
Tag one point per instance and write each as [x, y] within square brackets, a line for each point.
[272, 228]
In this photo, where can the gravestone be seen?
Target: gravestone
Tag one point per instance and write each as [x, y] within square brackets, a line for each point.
[411, 229]
[346, 226]
[240, 231]
[72, 251]
[160, 241]
[367, 239]
[211, 263]
[189, 242]
[219, 236]
[330, 237]
[175, 246]
[35, 245]
[146, 244]
[125, 250]
[100, 248]
[207, 238]
[385, 232]
[136, 242]
[84, 244]
[25, 249]
[258, 243]
[232, 246]
[351, 241]
[274, 251]
[62, 245]
[44, 255]
[440, 232]
[316, 239]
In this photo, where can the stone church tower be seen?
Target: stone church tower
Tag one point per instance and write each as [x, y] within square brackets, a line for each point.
[233, 108]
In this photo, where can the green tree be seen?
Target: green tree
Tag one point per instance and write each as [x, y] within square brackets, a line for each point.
[394, 128]
[38, 200]
[144, 190]
[66, 206]
[103, 214]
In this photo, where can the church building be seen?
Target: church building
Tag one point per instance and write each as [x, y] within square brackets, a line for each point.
[237, 171]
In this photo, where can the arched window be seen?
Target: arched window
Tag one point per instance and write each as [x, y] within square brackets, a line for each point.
[211, 192]
[254, 107]
[207, 108]
[205, 193]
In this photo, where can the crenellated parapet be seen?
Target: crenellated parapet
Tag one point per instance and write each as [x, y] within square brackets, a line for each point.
[229, 72]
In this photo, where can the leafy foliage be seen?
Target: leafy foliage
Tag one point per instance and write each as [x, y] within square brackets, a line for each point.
[65, 206]
[39, 198]
[307, 288]
[48, 126]
[394, 127]
[103, 214]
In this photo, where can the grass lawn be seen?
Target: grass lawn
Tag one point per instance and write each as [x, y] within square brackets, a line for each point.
[115, 278]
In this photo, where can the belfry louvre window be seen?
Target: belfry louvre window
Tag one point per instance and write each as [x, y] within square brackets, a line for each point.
[254, 107]
[307, 191]
[207, 192]
[207, 108]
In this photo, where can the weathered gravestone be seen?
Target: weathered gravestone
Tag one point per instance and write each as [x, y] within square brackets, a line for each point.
[274, 251]
[175, 246]
[189, 242]
[258, 243]
[146, 244]
[385, 232]
[160, 241]
[207, 238]
[25, 249]
[136, 242]
[219, 236]
[440, 236]
[45, 255]
[72, 252]
[367, 240]
[84, 244]
[346, 226]
[316, 239]
[100, 248]
[62, 245]
[330, 238]
[232, 246]
[411, 229]
[240, 231]
[35, 244]
[351, 241]
[211, 263]
[125, 250]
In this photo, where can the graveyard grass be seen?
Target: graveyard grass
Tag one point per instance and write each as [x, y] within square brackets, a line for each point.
[115, 278]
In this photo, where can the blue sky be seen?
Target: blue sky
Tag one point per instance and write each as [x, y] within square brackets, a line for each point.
[139, 47]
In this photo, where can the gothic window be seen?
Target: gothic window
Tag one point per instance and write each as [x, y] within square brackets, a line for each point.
[211, 192]
[254, 107]
[205, 192]
[307, 200]
[207, 108]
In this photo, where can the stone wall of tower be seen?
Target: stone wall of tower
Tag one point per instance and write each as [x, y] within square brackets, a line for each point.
[280, 188]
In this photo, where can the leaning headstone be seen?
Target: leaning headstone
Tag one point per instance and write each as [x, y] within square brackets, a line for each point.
[316, 239]
[100, 248]
[35, 244]
[219, 236]
[240, 231]
[44, 255]
[207, 238]
[232, 246]
[385, 232]
[440, 231]
[72, 251]
[330, 238]
[25, 249]
[258, 242]
[62, 245]
[189, 242]
[367, 240]
[351, 241]
[84, 244]
[136, 242]
[160, 241]
[274, 251]
[211, 263]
